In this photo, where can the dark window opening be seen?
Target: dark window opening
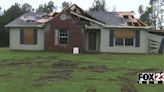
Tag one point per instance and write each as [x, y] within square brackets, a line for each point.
[119, 41]
[63, 36]
[126, 17]
[129, 41]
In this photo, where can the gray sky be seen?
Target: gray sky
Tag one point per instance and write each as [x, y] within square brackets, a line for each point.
[121, 5]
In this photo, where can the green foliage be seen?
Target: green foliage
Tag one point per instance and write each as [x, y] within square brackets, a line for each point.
[145, 16]
[66, 5]
[9, 15]
[46, 7]
[141, 10]
[153, 15]
[27, 7]
[98, 5]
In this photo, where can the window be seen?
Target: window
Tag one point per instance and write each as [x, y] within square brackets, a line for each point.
[124, 38]
[28, 36]
[119, 41]
[63, 36]
[129, 41]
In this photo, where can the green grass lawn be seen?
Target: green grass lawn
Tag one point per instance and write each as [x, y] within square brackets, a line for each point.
[25, 71]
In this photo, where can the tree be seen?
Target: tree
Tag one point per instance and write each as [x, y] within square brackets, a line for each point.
[0, 11]
[12, 13]
[141, 10]
[46, 7]
[157, 12]
[9, 15]
[27, 7]
[0, 8]
[146, 17]
[66, 5]
[153, 14]
[98, 5]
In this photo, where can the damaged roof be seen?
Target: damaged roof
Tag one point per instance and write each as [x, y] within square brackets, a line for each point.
[117, 18]
[112, 19]
[31, 19]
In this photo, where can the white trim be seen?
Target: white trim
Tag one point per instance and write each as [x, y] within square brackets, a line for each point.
[87, 18]
[56, 38]
[114, 44]
[113, 26]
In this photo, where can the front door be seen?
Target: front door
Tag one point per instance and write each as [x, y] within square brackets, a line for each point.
[92, 41]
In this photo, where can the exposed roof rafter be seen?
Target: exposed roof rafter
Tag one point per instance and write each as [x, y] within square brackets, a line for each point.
[78, 15]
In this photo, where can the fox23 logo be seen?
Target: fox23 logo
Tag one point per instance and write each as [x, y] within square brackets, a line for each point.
[151, 76]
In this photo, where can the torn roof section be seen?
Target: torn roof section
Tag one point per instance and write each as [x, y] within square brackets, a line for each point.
[32, 19]
[118, 18]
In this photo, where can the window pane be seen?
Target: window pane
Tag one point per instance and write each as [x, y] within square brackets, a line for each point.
[63, 32]
[63, 36]
[129, 42]
[63, 40]
[119, 41]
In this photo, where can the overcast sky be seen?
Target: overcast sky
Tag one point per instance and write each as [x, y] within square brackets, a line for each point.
[121, 5]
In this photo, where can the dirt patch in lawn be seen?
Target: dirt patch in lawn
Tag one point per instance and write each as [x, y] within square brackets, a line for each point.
[91, 90]
[40, 59]
[5, 74]
[131, 72]
[16, 63]
[29, 64]
[60, 71]
[128, 87]
[27, 61]
[97, 68]
[135, 71]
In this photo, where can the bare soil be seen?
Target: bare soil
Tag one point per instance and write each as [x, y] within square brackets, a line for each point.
[60, 70]
[99, 69]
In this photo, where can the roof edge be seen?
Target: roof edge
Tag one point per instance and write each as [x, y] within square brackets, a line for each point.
[128, 27]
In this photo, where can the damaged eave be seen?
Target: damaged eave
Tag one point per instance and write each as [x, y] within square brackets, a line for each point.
[86, 18]
[127, 27]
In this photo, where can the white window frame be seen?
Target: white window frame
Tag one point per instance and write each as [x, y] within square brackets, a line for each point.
[124, 43]
[59, 37]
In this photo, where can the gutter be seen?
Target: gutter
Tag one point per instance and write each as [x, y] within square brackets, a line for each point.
[127, 27]
[23, 26]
